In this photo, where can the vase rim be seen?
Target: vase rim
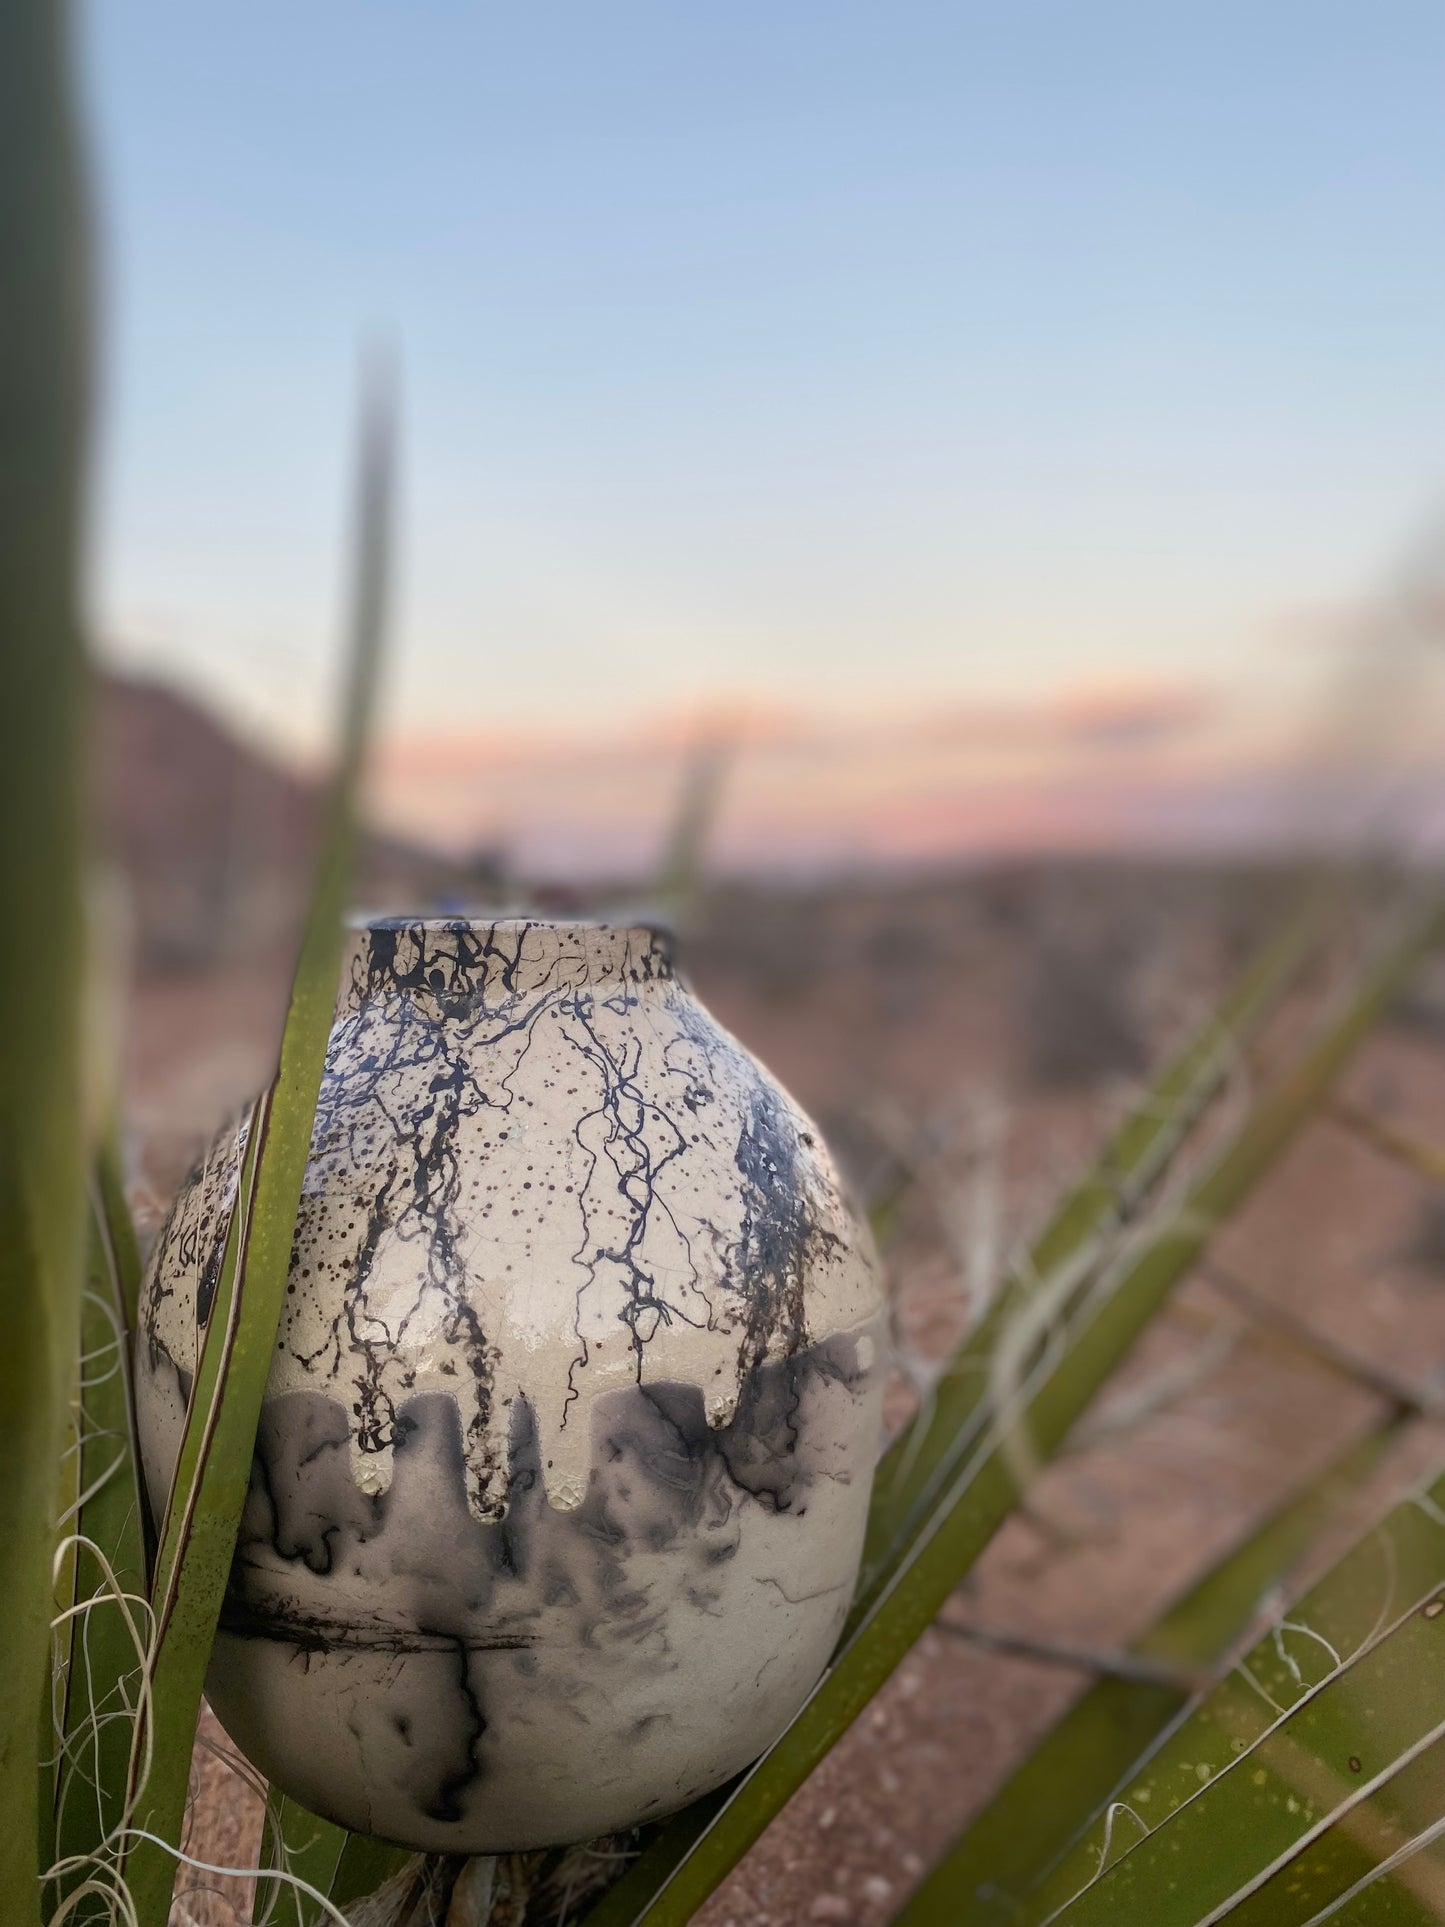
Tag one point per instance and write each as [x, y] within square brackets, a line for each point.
[460, 957]
[511, 921]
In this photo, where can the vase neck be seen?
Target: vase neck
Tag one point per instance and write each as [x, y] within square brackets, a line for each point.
[464, 959]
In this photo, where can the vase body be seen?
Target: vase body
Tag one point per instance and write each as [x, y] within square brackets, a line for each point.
[565, 1456]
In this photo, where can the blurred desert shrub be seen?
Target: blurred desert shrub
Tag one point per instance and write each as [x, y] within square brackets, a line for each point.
[1081, 1021]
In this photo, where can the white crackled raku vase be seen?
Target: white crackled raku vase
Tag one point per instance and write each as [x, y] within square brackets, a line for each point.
[561, 1476]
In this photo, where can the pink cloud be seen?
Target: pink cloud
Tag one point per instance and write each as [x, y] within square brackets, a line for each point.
[1120, 764]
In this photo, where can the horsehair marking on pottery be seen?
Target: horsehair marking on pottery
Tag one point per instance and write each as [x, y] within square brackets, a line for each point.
[574, 1407]
[427, 1075]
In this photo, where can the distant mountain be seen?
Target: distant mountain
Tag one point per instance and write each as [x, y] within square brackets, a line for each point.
[212, 840]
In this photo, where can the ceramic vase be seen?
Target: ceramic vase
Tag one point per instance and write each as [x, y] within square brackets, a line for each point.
[564, 1461]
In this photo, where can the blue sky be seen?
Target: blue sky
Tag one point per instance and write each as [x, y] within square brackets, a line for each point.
[804, 354]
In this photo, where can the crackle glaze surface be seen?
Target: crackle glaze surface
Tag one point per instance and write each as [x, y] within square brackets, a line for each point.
[562, 1472]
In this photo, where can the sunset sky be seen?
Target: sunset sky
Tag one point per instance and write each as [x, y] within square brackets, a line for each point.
[902, 379]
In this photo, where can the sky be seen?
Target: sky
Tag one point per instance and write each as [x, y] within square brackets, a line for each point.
[816, 363]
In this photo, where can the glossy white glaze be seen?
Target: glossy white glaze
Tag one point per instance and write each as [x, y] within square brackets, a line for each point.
[567, 1446]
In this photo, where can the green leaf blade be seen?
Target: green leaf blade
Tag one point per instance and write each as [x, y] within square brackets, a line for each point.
[343, 1866]
[44, 397]
[106, 1639]
[918, 1462]
[1389, 1578]
[198, 1537]
[1308, 1796]
[1035, 1816]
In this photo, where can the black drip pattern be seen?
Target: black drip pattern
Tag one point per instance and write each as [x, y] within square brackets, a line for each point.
[424, 1069]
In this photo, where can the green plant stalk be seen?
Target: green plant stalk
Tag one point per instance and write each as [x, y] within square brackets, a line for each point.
[1391, 1570]
[105, 1522]
[112, 1218]
[103, 1646]
[698, 1849]
[1317, 1796]
[1032, 1819]
[43, 434]
[198, 1538]
[343, 1866]
[680, 872]
[1353, 1854]
[65, 1576]
[922, 1458]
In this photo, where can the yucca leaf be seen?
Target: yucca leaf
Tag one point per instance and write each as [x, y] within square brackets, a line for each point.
[919, 1462]
[112, 1220]
[1010, 1846]
[1317, 1759]
[1390, 1141]
[1057, 1370]
[105, 1635]
[43, 410]
[303, 1844]
[680, 871]
[343, 1866]
[197, 1537]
